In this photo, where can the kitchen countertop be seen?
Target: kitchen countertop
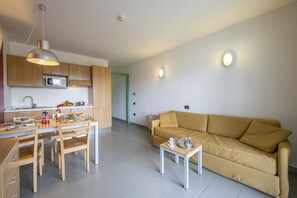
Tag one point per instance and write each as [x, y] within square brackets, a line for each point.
[45, 108]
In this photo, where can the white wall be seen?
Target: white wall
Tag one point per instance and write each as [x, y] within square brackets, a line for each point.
[119, 100]
[48, 97]
[261, 82]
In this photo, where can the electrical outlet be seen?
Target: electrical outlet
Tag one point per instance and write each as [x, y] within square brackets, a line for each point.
[187, 107]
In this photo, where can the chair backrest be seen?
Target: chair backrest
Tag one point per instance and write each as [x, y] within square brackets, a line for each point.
[27, 137]
[74, 130]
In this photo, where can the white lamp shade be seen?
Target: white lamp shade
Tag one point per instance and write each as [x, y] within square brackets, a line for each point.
[227, 59]
[42, 55]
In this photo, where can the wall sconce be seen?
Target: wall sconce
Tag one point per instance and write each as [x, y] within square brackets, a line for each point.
[227, 59]
[161, 73]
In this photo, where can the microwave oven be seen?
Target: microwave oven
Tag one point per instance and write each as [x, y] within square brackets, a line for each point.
[55, 81]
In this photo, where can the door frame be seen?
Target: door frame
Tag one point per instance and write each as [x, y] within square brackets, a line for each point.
[128, 112]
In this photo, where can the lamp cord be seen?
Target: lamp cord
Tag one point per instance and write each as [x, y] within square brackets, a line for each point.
[43, 24]
[33, 27]
[32, 30]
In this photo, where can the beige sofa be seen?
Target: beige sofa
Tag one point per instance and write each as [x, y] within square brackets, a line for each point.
[230, 147]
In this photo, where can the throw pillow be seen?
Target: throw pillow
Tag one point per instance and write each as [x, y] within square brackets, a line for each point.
[263, 136]
[168, 119]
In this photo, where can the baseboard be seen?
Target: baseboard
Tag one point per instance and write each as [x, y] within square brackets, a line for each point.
[121, 120]
[104, 130]
[142, 126]
[133, 123]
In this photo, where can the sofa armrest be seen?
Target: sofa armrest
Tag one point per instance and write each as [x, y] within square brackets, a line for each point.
[155, 123]
[284, 151]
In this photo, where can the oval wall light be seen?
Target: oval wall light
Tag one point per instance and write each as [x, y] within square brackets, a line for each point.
[161, 73]
[227, 59]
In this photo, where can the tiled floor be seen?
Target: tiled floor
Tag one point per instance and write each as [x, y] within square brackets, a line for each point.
[129, 168]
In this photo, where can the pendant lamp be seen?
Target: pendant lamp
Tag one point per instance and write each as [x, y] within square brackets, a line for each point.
[42, 55]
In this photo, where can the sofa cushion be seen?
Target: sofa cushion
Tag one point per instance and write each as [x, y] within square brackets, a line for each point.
[270, 122]
[194, 121]
[264, 136]
[233, 150]
[227, 125]
[168, 119]
[167, 132]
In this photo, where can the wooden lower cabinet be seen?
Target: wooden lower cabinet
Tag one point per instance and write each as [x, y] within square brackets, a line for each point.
[9, 169]
[103, 115]
[87, 111]
[32, 114]
[37, 114]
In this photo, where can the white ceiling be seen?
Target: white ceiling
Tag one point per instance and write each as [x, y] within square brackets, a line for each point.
[90, 27]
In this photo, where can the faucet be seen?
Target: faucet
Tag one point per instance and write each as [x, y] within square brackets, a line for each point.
[34, 106]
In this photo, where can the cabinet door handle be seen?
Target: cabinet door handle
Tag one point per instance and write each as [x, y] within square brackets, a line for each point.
[13, 180]
[26, 84]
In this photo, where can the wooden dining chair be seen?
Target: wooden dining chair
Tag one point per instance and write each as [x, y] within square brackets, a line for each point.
[30, 151]
[54, 139]
[73, 137]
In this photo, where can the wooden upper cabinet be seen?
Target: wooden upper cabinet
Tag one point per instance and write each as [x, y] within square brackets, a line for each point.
[79, 75]
[22, 73]
[61, 70]
[101, 86]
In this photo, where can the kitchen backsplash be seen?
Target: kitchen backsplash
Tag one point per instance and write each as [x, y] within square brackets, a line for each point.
[47, 97]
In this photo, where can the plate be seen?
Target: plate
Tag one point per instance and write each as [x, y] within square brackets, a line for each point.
[181, 143]
[16, 127]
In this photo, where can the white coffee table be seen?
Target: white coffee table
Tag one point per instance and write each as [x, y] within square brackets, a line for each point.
[184, 153]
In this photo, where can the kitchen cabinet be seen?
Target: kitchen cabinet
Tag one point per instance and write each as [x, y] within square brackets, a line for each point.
[79, 75]
[82, 83]
[101, 95]
[104, 117]
[22, 73]
[9, 168]
[61, 70]
[36, 114]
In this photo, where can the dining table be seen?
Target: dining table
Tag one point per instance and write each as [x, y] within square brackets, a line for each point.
[52, 129]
